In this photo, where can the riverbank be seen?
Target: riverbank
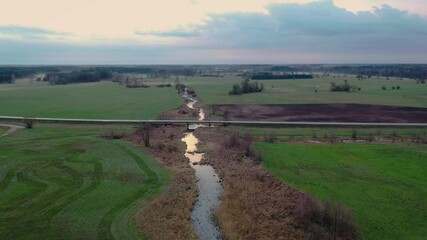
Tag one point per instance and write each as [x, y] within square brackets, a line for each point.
[167, 217]
[255, 204]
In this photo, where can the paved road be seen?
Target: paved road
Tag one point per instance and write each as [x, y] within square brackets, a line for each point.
[213, 122]
[12, 128]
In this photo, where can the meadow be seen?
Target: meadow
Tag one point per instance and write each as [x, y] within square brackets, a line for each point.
[68, 183]
[2, 130]
[215, 91]
[112, 101]
[101, 100]
[384, 186]
[288, 132]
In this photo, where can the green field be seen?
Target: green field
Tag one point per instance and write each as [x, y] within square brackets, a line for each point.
[286, 132]
[385, 186]
[68, 183]
[91, 100]
[215, 91]
[2, 130]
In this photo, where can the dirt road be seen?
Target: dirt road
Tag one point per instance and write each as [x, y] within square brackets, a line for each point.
[12, 128]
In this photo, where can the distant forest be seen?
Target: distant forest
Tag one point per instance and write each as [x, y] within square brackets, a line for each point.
[412, 71]
[79, 74]
[9, 74]
[271, 76]
[400, 71]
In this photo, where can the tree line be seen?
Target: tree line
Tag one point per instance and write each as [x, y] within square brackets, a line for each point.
[400, 71]
[9, 74]
[77, 77]
[271, 76]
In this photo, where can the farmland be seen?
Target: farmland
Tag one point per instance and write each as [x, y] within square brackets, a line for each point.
[2, 130]
[66, 182]
[312, 132]
[90, 100]
[110, 100]
[215, 91]
[383, 185]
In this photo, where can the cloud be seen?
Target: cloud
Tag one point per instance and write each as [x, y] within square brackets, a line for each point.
[179, 32]
[318, 27]
[28, 32]
[315, 32]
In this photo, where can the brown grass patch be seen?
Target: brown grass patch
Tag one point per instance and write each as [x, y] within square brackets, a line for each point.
[168, 216]
[256, 205]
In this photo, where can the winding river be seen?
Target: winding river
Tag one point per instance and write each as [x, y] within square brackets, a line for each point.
[208, 183]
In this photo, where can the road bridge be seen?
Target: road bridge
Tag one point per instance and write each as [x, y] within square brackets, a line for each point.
[208, 122]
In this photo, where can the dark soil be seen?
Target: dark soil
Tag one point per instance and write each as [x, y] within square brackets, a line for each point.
[326, 113]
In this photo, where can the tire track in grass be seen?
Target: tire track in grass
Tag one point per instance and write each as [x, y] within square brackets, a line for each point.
[104, 229]
[35, 187]
[95, 181]
[12, 212]
[63, 199]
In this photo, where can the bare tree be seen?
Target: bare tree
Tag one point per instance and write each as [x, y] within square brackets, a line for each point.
[144, 132]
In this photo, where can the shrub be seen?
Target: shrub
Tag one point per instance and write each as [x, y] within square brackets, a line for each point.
[394, 133]
[253, 153]
[112, 135]
[191, 91]
[271, 138]
[398, 87]
[333, 217]
[180, 87]
[345, 87]
[354, 134]
[384, 88]
[314, 135]
[232, 141]
[370, 137]
[163, 85]
[28, 122]
[235, 90]
[307, 209]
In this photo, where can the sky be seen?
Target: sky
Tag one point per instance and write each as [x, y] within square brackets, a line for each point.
[212, 31]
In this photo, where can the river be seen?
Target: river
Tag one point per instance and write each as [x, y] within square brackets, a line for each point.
[208, 184]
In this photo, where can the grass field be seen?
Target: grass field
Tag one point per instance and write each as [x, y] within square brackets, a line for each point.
[385, 186]
[327, 131]
[68, 183]
[2, 130]
[215, 91]
[90, 100]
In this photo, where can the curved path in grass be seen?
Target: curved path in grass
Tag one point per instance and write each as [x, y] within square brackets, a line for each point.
[64, 183]
[12, 128]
